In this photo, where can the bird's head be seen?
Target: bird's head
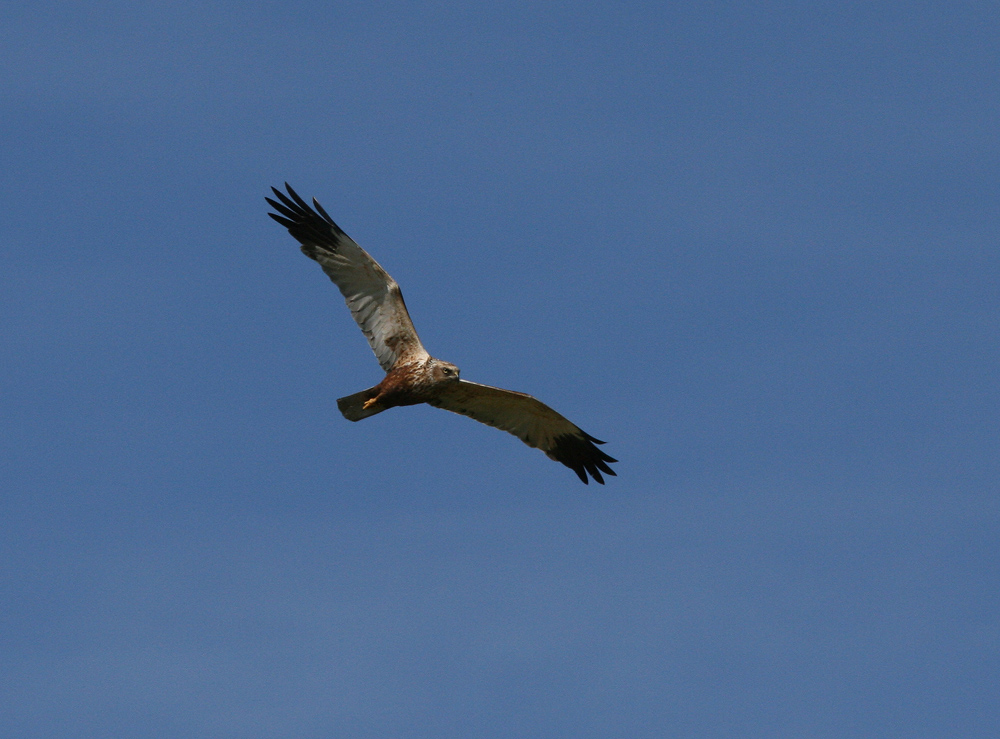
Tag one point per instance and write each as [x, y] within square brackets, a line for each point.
[442, 371]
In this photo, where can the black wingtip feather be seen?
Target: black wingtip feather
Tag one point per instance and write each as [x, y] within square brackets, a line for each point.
[298, 200]
[322, 212]
[283, 221]
[308, 226]
[579, 453]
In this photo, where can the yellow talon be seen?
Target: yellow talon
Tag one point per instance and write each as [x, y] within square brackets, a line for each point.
[369, 403]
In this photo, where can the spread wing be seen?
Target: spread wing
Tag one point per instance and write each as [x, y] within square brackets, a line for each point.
[531, 421]
[372, 295]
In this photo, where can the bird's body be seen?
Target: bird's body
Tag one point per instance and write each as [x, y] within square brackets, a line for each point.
[412, 375]
[406, 383]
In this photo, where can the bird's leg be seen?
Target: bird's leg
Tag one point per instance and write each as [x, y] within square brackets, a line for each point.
[377, 393]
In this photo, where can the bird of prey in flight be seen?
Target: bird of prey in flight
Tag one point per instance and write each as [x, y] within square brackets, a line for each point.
[412, 375]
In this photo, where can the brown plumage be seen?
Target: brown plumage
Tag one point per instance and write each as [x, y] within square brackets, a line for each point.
[412, 375]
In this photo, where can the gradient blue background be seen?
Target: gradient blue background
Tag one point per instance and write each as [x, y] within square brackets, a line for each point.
[752, 245]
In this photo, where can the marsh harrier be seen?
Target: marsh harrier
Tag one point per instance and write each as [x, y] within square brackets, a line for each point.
[412, 375]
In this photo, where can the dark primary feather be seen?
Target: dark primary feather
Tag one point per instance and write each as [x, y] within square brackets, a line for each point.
[302, 222]
[577, 451]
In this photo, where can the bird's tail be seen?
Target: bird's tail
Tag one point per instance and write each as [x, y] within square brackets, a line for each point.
[353, 405]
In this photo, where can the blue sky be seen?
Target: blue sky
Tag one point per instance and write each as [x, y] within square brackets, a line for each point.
[751, 245]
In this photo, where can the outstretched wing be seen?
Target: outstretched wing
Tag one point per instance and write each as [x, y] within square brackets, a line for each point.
[531, 421]
[372, 295]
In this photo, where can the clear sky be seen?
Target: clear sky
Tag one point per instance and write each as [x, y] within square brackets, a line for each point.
[754, 246]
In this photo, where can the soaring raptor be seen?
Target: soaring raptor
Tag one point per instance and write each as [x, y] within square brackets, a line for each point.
[412, 375]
